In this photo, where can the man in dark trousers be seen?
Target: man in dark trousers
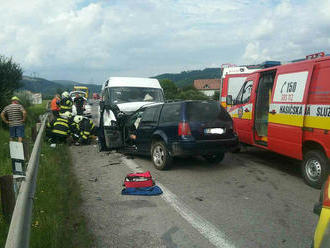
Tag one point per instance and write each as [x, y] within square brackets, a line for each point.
[14, 115]
[79, 102]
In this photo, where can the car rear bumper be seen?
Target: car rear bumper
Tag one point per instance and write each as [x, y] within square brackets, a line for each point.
[184, 148]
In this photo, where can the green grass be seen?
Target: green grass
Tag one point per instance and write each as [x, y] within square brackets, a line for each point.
[57, 220]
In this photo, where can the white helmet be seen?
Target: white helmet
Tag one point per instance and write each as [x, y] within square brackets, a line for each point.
[66, 114]
[77, 118]
[65, 94]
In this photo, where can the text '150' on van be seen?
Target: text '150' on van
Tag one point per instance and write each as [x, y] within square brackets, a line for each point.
[122, 96]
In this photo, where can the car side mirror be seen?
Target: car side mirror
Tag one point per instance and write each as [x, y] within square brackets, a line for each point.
[229, 100]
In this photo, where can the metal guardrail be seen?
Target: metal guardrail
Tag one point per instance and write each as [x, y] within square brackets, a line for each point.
[20, 225]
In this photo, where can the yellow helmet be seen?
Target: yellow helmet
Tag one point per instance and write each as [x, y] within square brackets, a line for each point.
[77, 118]
[65, 94]
[15, 98]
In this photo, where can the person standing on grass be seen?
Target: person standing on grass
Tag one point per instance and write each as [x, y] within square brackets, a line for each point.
[55, 105]
[14, 115]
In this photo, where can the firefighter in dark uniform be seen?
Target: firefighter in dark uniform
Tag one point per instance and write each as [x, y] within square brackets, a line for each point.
[58, 130]
[65, 103]
[86, 129]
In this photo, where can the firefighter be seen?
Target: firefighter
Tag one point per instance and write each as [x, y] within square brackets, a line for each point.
[58, 130]
[65, 103]
[86, 129]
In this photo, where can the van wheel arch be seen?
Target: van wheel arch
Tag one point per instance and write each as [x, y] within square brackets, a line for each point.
[312, 145]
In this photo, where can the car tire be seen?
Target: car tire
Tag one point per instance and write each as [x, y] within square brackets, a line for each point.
[315, 168]
[214, 158]
[160, 156]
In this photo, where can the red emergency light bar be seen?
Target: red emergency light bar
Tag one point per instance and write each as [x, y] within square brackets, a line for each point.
[315, 55]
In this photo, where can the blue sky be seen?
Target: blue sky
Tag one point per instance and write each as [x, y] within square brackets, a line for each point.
[92, 40]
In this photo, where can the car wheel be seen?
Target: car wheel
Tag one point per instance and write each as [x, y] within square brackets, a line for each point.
[160, 156]
[315, 168]
[214, 158]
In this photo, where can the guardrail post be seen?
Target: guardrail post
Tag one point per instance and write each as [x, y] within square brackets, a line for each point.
[7, 196]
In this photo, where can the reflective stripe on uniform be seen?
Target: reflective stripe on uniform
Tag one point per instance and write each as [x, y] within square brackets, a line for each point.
[65, 107]
[61, 123]
[59, 132]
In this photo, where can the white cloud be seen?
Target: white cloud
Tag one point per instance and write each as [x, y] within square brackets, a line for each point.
[79, 40]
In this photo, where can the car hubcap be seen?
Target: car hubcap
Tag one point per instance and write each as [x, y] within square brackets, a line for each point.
[158, 156]
[313, 169]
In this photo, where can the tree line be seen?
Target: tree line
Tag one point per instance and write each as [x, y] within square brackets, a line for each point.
[10, 76]
[172, 92]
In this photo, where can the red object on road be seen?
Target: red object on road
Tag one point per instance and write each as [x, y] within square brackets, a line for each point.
[138, 180]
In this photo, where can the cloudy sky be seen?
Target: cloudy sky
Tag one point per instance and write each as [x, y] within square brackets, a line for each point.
[86, 40]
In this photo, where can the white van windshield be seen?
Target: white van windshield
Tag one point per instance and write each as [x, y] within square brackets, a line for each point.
[135, 94]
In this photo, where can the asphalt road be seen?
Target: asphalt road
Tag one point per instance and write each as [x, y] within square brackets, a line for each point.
[251, 199]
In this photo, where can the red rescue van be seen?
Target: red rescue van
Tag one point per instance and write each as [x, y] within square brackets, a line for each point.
[286, 109]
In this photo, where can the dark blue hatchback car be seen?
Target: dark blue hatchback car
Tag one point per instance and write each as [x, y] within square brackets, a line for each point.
[166, 130]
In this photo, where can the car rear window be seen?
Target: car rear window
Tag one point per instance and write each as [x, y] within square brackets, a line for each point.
[171, 113]
[206, 111]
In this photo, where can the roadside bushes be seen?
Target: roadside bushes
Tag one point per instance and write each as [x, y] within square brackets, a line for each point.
[10, 76]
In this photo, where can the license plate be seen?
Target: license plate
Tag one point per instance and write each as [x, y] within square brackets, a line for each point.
[214, 130]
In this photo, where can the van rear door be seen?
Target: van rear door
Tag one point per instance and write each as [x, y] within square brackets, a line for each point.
[287, 108]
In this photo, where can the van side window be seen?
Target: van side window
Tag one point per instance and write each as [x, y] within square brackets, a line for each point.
[171, 113]
[247, 92]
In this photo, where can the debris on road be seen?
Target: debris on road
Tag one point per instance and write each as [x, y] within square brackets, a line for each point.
[93, 179]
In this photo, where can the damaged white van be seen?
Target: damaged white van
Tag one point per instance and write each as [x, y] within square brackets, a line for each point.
[122, 96]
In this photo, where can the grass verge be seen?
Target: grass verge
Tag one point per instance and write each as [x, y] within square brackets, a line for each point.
[57, 220]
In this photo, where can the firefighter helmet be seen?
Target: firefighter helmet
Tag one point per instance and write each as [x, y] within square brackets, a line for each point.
[78, 118]
[65, 94]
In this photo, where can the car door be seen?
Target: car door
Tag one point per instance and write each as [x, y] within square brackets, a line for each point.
[146, 127]
[241, 112]
[287, 109]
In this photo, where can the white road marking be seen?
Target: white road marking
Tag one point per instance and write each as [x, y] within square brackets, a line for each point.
[204, 227]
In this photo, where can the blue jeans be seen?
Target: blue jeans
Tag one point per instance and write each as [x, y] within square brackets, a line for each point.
[16, 131]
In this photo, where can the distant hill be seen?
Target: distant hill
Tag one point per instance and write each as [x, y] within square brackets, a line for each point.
[49, 88]
[186, 78]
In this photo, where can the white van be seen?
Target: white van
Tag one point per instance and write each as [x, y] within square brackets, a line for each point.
[126, 94]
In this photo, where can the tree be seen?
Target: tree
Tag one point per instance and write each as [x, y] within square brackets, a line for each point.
[192, 94]
[10, 77]
[216, 96]
[170, 89]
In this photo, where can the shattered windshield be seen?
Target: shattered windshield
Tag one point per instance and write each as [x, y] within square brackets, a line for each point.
[135, 94]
